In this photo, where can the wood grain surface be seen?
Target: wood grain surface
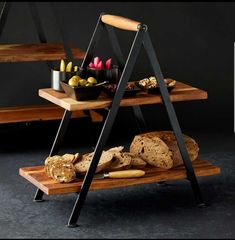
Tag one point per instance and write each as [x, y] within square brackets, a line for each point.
[120, 22]
[182, 92]
[40, 112]
[36, 52]
[36, 175]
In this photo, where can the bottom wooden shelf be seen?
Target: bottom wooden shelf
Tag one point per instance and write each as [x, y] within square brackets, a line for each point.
[40, 112]
[36, 175]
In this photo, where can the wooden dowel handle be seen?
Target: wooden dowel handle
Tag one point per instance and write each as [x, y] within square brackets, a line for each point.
[132, 173]
[120, 22]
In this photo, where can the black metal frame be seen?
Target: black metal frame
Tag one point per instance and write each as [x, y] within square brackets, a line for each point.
[141, 38]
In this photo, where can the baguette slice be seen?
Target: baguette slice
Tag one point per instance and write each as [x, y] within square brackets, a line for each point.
[62, 171]
[50, 161]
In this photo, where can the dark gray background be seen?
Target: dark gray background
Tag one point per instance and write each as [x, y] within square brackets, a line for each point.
[194, 43]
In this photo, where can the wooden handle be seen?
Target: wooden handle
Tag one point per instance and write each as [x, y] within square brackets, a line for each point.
[127, 174]
[120, 22]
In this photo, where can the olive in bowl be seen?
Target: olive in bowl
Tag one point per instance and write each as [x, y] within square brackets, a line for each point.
[82, 89]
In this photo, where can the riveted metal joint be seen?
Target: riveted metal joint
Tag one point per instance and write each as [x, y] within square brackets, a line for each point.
[143, 27]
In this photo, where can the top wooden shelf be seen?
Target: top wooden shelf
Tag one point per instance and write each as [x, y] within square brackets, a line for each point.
[36, 52]
[182, 92]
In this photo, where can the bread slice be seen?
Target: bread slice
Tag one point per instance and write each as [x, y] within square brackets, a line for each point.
[50, 161]
[104, 162]
[152, 150]
[169, 138]
[116, 149]
[122, 160]
[136, 162]
[71, 157]
[160, 148]
[62, 171]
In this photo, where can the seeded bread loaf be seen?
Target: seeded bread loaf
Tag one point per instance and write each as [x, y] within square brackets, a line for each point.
[160, 149]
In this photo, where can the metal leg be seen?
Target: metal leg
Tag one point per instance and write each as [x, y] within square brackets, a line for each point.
[94, 40]
[139, 117]
[3, 15]
[55, 147]
[63, 33]
[90, 131]
[39, 28]
[107, 127]
[173, 120]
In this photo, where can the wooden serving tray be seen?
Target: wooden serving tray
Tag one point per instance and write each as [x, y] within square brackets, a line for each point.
[37, 176]
[181, 92]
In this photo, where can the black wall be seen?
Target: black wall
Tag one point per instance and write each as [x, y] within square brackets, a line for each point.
[194, 43]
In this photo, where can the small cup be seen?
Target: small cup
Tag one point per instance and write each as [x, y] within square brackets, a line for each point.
[56, 77]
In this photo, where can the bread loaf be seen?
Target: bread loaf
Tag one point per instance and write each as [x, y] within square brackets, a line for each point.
[160, 149]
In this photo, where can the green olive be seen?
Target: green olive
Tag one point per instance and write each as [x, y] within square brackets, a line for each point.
[73, 81]
[89, 84]
[82, 82]
[92, 80]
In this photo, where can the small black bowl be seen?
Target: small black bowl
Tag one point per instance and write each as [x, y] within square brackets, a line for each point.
[98, 74]
[82, 93]
[112, 75]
